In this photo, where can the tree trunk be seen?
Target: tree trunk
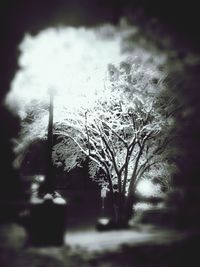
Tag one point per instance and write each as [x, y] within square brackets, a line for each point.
[129, 207]
[130, 199]
[114, 206]
[122, 208]
[120, 220]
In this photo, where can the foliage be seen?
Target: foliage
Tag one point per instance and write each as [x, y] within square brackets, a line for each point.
[124, 134]
[32, 129]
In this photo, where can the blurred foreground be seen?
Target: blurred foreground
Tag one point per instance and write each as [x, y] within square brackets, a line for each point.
[145, 247]
[142, 244]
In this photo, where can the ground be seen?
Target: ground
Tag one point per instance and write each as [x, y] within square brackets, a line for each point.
[140, 245]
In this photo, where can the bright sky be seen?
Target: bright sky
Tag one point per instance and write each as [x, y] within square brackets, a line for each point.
[72, 61]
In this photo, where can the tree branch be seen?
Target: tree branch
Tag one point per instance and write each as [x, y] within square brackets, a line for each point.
[133, 176]
[139, 175]
[162, 146]
[111, 154]
[114, 132]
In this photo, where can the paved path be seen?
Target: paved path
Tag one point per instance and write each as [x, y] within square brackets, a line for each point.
[92, 240]
[89, 248]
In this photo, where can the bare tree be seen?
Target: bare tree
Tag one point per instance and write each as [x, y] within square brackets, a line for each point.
[124, 134]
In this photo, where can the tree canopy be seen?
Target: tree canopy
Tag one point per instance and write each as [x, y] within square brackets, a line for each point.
[125, 134]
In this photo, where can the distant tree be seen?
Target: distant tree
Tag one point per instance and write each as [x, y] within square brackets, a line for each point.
[125, 134]
[33, 129]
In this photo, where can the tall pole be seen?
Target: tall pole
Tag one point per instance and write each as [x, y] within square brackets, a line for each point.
[49, 181]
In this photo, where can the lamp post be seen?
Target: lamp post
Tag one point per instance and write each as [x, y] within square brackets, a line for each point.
[49, 183]
[49, 179]
[48, 214]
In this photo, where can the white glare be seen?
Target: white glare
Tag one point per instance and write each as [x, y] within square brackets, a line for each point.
[72, 61]
[147, 188]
